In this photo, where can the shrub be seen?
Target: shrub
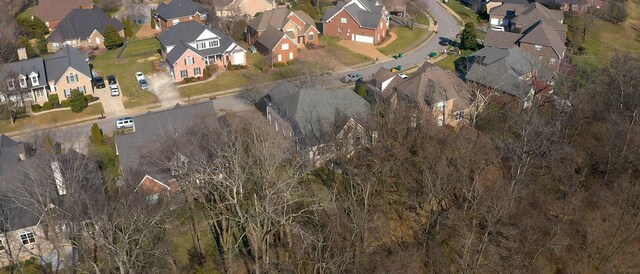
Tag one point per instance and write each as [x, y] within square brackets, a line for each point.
[53, 98]
[291, 62]
[236, 67]
[207, 73]
[96, 134]
[65, 103]
[189, 80]
[47, 105]
[279, 65]
[77, 101]
[112, 39]
[89, 97]
[36, 108]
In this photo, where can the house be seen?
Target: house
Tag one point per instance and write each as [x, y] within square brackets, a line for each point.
[135, 150]
[52, 11]
[82, 28]
[25, 80]
[518, 15]
[278, 33]
[248, 8]
[179, 11]
[509, 71]
[396, 7]
[436, 92]
[383, 80]
[364, 21]
[68, 69]
[319, 122]
[190, 47]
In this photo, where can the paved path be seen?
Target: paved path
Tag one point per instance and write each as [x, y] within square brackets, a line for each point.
[162, 86]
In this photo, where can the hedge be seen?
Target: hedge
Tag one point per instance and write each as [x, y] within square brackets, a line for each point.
[47, 105]
[36, 108]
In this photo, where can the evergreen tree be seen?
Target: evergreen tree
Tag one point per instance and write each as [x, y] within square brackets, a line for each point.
[153, 19]
[77, 101]
[42, 45]
[128, 31]
[96, 134]
[112, 39]
[468, 38]
[32, 28]
[24, 43]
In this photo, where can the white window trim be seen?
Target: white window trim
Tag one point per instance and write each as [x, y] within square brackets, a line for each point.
[21, 80]
[27, 238]
[343, 20]
[285, 46]
[34, 80]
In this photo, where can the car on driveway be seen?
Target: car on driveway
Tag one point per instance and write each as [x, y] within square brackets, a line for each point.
[143, 84]
[403, 76]
[115, 91]
[139, 76]
[351, 78]
[112, 80]
[98, 82]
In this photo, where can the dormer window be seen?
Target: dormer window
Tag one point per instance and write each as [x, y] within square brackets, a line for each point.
[10, 84]
[214, 44]
[203, 16]
[34, 80]
[23, 81]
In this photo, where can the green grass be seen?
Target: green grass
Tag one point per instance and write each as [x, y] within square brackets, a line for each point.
[467, 14]
[406, 40]
[416, 14]
[449, 61]
[49, 119]
[125, 68]
[342, 54]
[136, 48]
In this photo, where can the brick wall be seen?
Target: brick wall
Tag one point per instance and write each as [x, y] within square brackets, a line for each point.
[346, 30]
[167, 24]
[179, 66]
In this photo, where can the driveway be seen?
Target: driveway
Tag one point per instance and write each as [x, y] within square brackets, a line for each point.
[162, 86]
[368, 50]
[112, 104]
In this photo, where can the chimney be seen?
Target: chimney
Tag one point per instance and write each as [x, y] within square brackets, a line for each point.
[22, 54]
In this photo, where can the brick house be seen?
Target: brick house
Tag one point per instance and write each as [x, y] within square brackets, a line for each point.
[52, 11]
[188, 48]
[67, 70]
[364, 21]
[82, 28]
[278, 33]
[179, 11]
[249, 8]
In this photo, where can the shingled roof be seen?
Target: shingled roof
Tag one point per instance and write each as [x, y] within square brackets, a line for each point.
[69, 57]
[179, 8]
[182, 34]
[49, 10]
[25, 68]
[540, 33]
[367, 14]
[80, 23]
[278, 18]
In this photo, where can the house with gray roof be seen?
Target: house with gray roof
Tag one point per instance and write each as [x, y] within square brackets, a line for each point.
[179, 11]
[82, 28]
[278, 33]
[189, 47]
[25, 80]
[319, 122]
[364, 21]
[68, 69]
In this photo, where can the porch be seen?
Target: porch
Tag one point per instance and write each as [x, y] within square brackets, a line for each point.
[26, 97]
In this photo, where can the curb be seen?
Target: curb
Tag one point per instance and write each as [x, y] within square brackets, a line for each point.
[64, 124]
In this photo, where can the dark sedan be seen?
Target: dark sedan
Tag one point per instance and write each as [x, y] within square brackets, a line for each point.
[112, 80]
[98, 82]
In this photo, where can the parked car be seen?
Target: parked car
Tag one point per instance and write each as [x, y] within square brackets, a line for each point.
[139, 76]
[112, 80]
[497, 28]
[98, 82]
[351, 78]
[403, 76]
[143, 84]
[115, 91]
[126, 122]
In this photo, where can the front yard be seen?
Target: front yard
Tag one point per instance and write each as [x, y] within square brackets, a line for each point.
[341, 54]
[407, 39]
[137, 56]
[449, 61]
[49, 118]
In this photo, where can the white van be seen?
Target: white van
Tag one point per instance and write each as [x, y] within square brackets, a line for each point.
[126, 122]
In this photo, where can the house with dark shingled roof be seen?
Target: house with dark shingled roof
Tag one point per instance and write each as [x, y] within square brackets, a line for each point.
[82, 28]
[179, 11]
[364, 21]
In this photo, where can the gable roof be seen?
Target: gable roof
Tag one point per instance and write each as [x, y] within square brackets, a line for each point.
[25, 67]
[542, 34]
[276, 18]
[367, 13]
[182, 34]
[509, 6]
[501, 69]
[501, 39]
[535, 12]
[316, 115]
[271, 37]
[179, 8]
[49, 10]
[150, 127]
[69, 57]
[80, 23]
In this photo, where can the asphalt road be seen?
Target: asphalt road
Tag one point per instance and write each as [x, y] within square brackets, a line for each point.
[448, 27]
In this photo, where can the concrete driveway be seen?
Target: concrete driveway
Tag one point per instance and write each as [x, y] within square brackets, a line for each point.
[362, 48]
[112, 104]
[162, 86]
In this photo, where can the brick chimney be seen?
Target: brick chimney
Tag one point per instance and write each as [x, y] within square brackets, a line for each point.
[22, 54]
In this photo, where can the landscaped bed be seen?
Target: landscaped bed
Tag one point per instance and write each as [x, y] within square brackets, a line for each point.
[50, 118]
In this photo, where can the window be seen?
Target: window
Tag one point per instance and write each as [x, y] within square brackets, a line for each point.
[11, 85]
[203, 16]
[176, 21]
[67, 93]
[459, 115]
[72, 78]
[184, 73]
[27, 237]
[214, 44]
[23, 82]
[196, 71]
[40, 93]
[552, 61]
[189, 60]
[311, 36]
[343, 20]
[82, 89]
[56, 46]
[538, 47]
[34, 80]
[285, 46]
[201, 45]
[339, 29]
[440, 106]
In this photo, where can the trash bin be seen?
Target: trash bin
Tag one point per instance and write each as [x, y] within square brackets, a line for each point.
[400, 55]
[399, 68]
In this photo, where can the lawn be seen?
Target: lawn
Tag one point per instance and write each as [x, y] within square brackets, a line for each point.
[407, 40]
[342, 54]
[467, 14]
[449, 61]
[125, 68]
[48, 119]
[416, 14]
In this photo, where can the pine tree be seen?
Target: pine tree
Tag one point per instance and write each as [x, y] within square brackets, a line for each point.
[468, 38]
[112, 39]
[128, 31]
[77, 101]
[42, 45]
[96, 134]
[153, 19]
[24, 43]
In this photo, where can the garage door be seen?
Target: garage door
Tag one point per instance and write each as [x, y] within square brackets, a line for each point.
[239, 58]
[366, 39]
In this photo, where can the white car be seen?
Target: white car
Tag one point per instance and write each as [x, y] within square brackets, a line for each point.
[114, 90]
[497, 28]
[139, 76]
[403, 76]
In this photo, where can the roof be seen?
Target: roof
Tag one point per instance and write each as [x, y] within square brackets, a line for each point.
[182, 34]
[501, 69]
[68, 57]
[26, 67]
[278, 18]
[179, 8]
[270, 38]
[431, 85]
[80, 23]
[508, 7]
[367, 13]
[540, 33]
[535, 12]
[383, 74]
[49, 10]
[150, 128]
[316, 114]
[501, 39]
